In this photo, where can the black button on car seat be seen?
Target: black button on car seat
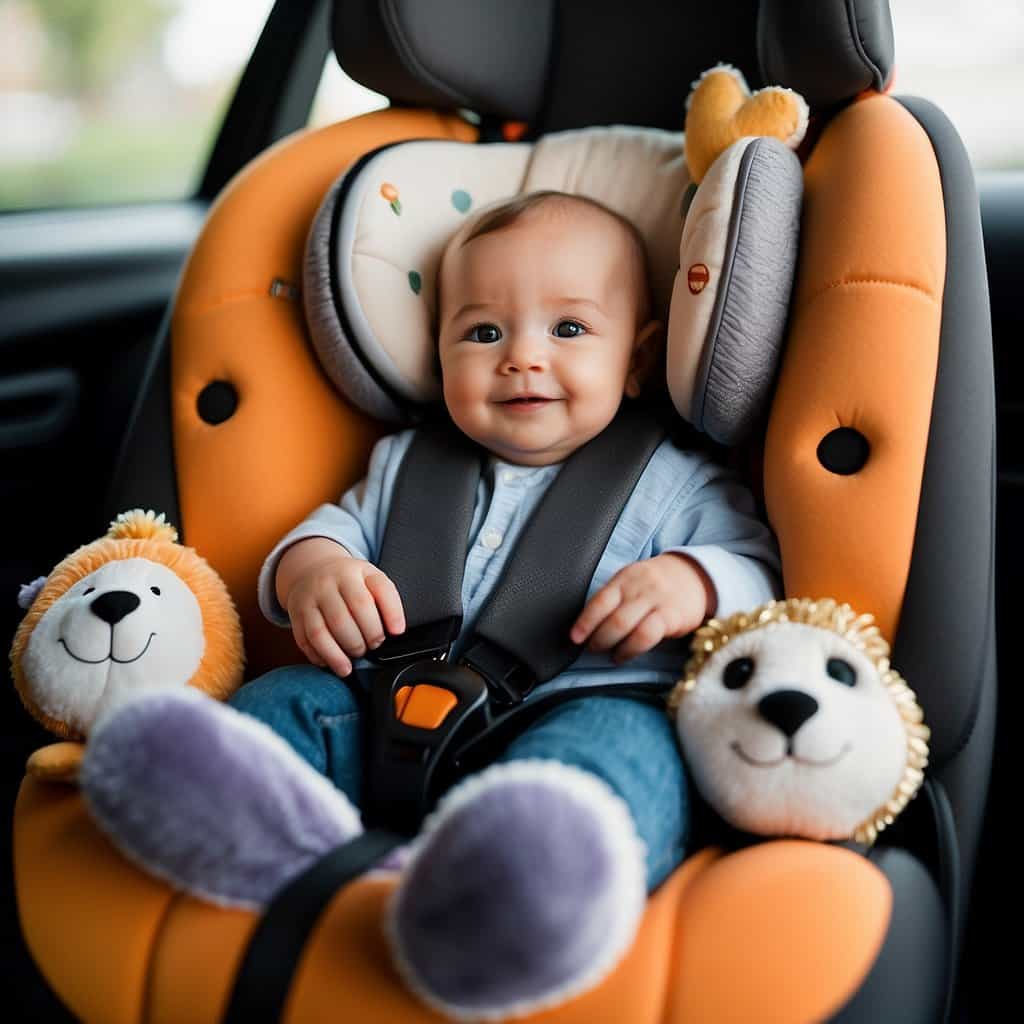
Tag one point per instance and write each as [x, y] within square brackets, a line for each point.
[843, 451]
[217, 402]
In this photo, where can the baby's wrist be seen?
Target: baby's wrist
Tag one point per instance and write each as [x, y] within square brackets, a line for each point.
[700, 575]
[299, 558]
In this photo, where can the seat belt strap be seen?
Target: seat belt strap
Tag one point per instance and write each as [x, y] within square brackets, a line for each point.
[423, 550]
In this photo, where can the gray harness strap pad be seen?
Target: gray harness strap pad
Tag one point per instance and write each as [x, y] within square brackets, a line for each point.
[423, 550]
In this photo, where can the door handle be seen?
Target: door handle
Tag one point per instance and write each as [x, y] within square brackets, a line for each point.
[36, 407]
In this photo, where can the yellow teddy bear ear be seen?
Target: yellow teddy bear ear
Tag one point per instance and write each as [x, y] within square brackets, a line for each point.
[142, 526]
[720, 109]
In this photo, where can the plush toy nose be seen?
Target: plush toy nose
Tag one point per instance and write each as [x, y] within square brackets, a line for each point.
[787, 709]
[114, 605]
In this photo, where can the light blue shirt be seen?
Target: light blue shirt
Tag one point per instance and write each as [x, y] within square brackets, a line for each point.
[683, 501]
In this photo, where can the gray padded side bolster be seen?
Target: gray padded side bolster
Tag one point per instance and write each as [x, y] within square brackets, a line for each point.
[951, 585]
[908, 980]
[486, 55]
[828, 50]
[745, 337]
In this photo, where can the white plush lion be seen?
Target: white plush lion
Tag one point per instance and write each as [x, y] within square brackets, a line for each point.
[794, 724]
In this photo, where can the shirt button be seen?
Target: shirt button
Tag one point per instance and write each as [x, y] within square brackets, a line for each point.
[508, 476]
[491, 539]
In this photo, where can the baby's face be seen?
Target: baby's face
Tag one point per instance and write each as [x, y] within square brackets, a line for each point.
[538, 325]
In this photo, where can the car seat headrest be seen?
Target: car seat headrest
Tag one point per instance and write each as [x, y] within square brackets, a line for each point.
[572, 63]
[375, 246]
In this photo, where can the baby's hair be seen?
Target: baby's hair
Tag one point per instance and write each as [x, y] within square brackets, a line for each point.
[506, 214]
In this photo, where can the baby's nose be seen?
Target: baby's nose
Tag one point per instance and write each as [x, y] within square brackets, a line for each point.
[523, 354]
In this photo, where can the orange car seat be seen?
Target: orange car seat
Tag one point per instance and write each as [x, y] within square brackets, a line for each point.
[878, 475]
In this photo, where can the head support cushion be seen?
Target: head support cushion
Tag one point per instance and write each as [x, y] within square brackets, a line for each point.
[375, 246]
[737, 258]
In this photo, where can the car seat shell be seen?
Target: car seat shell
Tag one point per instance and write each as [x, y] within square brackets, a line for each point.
[147, 953]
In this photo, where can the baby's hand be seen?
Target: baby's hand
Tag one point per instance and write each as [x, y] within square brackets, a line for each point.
[643, 604]
[337, 606]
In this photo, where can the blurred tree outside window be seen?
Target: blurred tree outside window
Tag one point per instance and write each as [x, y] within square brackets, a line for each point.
[113, 101]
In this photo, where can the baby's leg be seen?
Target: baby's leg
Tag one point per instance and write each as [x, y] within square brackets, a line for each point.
[630, 745]
[530, 879]
[215, 801]
[317, 713]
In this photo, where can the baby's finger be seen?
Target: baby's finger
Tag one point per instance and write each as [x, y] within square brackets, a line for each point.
[597, 609]
[319, 638]
[337, 615]
[648, 632]
[617, 626]
[385, 593]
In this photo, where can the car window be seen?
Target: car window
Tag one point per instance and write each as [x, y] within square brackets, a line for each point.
[968, 59]
[110, 101]
[338, 97]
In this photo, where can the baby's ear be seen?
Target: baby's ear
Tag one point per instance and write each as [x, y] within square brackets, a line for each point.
[646, 349]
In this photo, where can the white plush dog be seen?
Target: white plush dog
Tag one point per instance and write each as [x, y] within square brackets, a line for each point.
[794, 724]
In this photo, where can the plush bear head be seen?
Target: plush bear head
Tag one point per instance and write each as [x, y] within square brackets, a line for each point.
[132, 611]
[794, 724]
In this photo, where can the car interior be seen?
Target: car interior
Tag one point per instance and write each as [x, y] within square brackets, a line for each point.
[96, 348]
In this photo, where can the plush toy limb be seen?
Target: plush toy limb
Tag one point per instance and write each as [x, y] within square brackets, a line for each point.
[59, 762]
[209, 799]
[525, 890]
[721, 109]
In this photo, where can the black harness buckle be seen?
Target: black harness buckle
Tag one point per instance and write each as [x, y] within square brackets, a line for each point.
[403, 759]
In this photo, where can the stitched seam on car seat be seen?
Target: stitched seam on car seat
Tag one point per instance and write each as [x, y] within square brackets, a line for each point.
[147, 1009]
[851, 18]
[391, 21]
[227, 300]
[854, 281]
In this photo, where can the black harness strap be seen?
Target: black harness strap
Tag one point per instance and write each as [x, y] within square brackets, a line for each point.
[423, 550]
[269, 964]
[525, 623]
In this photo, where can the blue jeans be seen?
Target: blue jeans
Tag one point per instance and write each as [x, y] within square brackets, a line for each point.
[628, 743]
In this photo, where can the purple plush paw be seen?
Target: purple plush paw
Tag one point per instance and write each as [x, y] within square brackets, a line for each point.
[210, 799]
[525, 890]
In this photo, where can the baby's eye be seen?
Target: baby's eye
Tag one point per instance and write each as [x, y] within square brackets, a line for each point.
[569, 329]
[486, 333]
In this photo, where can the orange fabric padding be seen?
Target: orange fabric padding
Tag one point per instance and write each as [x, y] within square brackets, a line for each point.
[293, 442]
[862, 353]
[783, 931]
[426, 706]
[90, 919]
[780, 932]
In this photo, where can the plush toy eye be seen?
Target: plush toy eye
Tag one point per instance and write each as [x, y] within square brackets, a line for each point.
[89, 591]
[156, 590]
[737, 673]
[842, 671]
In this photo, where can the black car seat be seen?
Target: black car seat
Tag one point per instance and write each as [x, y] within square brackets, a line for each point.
[878, 477]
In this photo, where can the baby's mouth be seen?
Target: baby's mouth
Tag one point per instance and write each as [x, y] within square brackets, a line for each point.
[526, 402]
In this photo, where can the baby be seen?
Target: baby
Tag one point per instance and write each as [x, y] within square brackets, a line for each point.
[528, 882]
[544, 325]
